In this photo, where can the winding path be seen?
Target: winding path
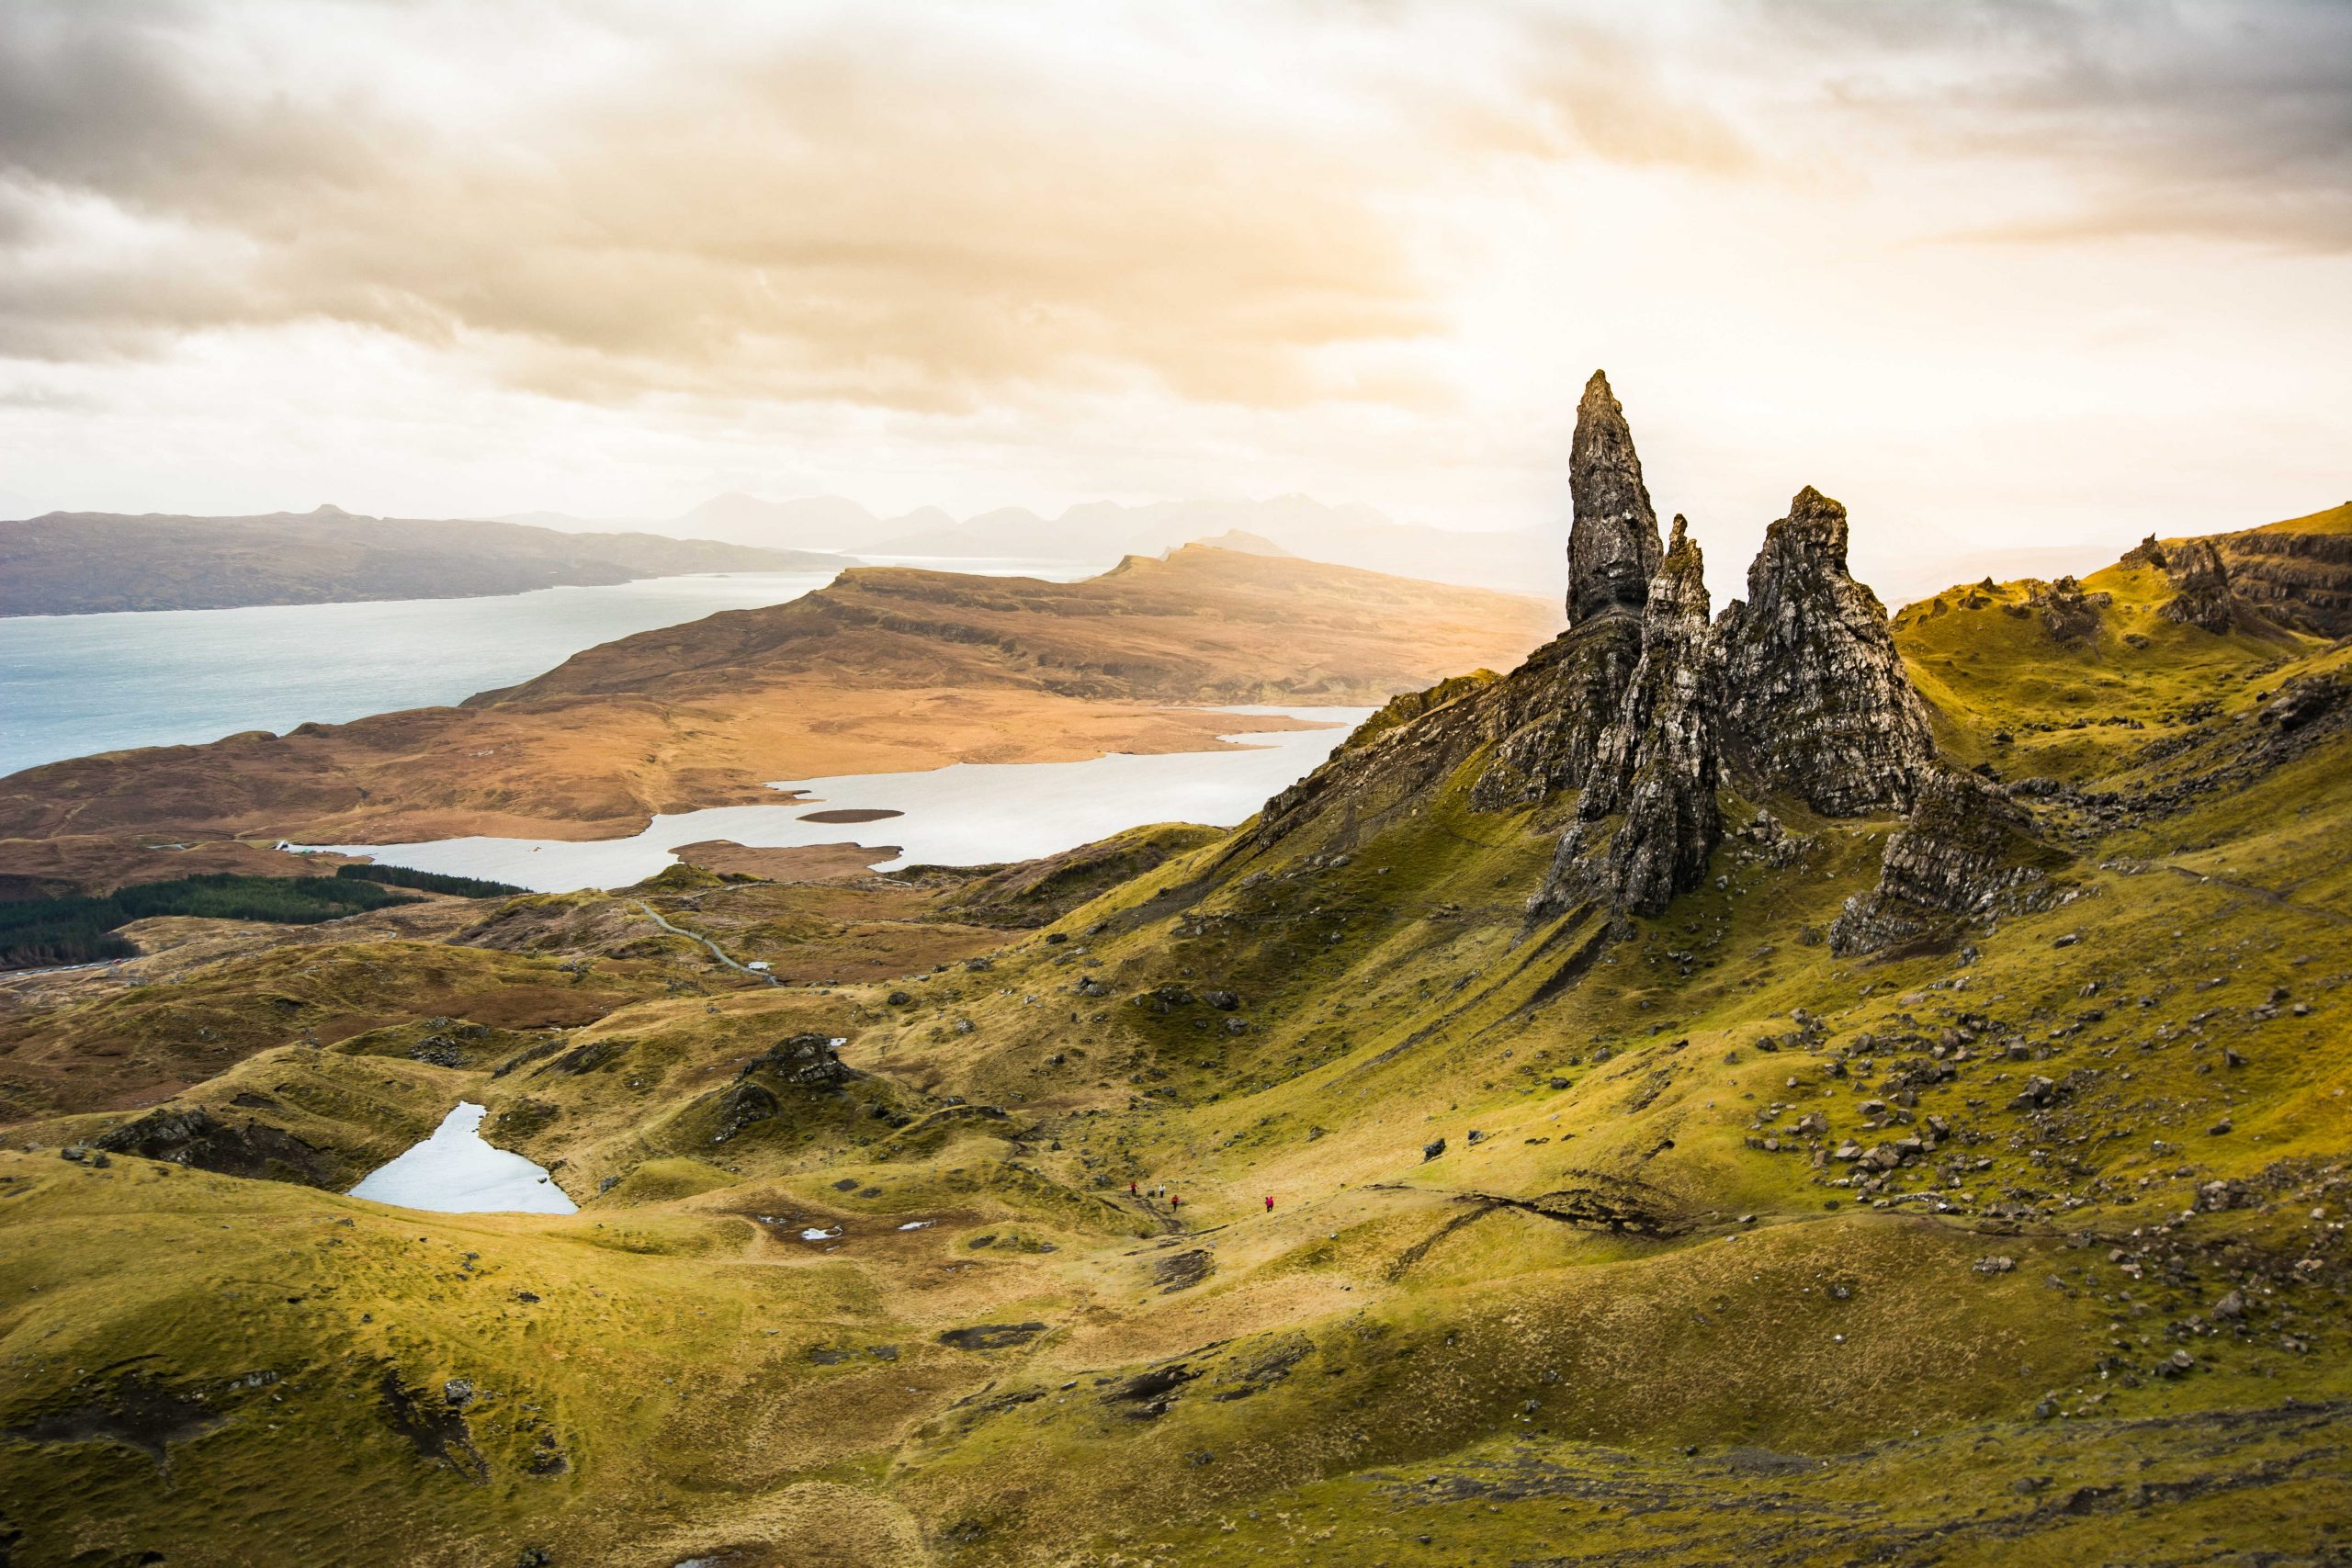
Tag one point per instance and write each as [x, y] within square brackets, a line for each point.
[716, 951]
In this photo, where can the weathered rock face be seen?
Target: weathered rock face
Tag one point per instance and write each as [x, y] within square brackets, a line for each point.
[196, 1137]
[1965, 846]
[1543, 720]
[2201, 584]
[1815, 698]
[809, 1061]
[2297, 579]
[1647, 820]
[2067, 613]
[1612, 543]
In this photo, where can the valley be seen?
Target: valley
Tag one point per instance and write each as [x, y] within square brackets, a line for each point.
[1782, 1084]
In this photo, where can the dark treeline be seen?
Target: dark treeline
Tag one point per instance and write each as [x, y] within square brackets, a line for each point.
[79, 929]
[430, 881]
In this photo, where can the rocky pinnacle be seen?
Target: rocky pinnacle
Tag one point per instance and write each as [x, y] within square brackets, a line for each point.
[1647, 820]
[1815, 698]
[1612, 543]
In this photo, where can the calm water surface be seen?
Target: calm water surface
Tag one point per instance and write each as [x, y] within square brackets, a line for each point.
[967, 813]
[455, 1171]
[70, 685]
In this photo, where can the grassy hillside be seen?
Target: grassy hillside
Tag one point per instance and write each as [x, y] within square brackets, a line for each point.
[1691, 1242]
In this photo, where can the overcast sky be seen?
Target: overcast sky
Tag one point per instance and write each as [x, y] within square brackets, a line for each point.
[1998, 276]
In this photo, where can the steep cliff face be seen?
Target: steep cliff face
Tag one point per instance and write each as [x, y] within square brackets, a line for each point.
[1647, 820]
[2201, 584]
[1545, 720]
[1612, 543]
[2298, 573]
[1964, 846]
[1815, 700]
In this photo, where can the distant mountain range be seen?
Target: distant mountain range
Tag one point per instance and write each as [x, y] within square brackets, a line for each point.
[68, 563]
[1101, 532]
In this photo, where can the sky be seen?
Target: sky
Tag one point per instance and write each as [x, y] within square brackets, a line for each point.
[2018, 276]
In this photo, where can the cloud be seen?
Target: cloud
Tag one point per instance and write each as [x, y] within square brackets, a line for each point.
[942, 207]
[2217, 118]
[880, 212]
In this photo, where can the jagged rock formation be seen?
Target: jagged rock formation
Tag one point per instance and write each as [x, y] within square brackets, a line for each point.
[2202, 596]
[1545, 720]
[1612, 543]
[1815, 698]
[1966, 845]
[1647, 820]
[2147, 552]
[2298, 573]
[2068, 613]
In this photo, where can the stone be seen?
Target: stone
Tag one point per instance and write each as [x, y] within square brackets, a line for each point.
[1542, 723]
[1964, 845]
[1647, 820]
[2068, 613]
[193, 1137]
[1429, 1151]
[1612, 538]
[1815, 699]
[806, 1060]
[2201, 594]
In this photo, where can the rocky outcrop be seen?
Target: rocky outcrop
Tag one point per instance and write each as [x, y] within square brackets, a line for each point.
[1612, 542]
[2202, 595]
[1543, 721]
[1647, 820]
[806, 1061]
[2300, 579]
[2067, 613]
[1965, 848]
[1815, 700]
[193, 1136]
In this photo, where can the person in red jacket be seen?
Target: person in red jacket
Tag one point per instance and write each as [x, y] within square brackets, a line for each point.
[1270, 1202]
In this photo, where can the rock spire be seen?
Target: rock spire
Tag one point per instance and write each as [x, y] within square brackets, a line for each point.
[1647, 820]
[1815, 698]
[1612, 542]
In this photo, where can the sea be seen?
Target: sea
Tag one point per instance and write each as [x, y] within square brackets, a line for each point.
[964, 813]
[73, 685]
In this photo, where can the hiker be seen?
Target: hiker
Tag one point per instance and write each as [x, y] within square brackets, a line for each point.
[1270, 1202]
[1131, 1189]
[1175, 1202]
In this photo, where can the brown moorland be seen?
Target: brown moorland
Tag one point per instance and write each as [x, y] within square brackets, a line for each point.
[887, 670]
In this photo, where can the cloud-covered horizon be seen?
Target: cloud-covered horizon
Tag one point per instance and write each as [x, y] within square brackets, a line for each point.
[1040, 252]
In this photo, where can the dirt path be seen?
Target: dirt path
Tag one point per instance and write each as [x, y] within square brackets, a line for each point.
[2255, 890]
[698, 936]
